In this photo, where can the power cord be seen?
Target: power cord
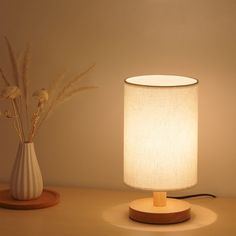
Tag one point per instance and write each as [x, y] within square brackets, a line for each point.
[194, 195]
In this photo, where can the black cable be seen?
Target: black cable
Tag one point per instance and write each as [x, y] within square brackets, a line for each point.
[194, 195]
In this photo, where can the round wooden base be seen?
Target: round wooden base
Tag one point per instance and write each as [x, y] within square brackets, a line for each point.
[47, 199]
[175, 211]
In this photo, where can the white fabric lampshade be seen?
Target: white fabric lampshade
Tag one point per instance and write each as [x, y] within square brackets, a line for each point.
[160, 132]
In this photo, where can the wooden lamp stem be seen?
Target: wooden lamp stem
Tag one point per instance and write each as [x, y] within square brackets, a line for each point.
[159, 199]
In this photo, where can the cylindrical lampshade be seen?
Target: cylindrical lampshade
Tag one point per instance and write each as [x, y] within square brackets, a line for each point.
[160, 132]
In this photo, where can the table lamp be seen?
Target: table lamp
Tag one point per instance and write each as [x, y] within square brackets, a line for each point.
[160, 144]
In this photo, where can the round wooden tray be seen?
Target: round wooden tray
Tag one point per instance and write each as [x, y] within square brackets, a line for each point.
[47, 199]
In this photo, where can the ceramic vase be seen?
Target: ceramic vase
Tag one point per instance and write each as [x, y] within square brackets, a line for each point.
[26, 179]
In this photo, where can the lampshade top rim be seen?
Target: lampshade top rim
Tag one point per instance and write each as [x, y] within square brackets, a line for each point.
[161, 81]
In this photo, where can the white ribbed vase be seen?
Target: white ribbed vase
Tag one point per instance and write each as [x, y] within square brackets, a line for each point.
[26, 178]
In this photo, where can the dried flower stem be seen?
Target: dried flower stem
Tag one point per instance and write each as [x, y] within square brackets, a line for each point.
[55, 84]
[51, 91]
[4, 77]
[70, 84]
[18, 123]
[18, 105]
[13, 62]
[46, 114]
[73, 92]
[20, 116]
[17, 130]
[35, 120]
[25, 81]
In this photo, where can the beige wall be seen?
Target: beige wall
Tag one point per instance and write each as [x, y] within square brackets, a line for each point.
[81, 144]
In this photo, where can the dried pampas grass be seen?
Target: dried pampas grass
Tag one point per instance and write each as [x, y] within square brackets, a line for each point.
[27, 123]
[13, 61]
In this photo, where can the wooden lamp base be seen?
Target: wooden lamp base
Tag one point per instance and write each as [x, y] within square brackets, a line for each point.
[159, 210]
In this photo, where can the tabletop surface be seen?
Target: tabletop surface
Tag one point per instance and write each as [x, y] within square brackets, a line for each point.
[104, 212]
